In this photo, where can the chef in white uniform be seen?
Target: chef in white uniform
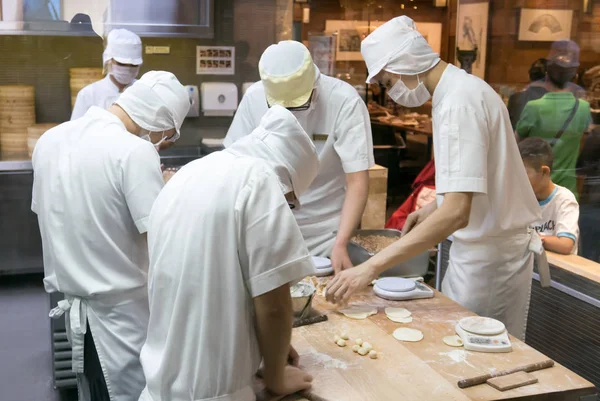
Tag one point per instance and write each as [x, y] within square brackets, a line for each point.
[122, 59]
[484, 199]
[337, 120]
[224, 247]
[95, 180]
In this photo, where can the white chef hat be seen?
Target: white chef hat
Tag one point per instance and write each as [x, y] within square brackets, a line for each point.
[397, 47]
[156, 102]
[288, 74]
[280, 140]
[123, 46]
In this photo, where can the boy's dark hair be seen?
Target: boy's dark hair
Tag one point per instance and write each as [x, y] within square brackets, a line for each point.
[537, 152]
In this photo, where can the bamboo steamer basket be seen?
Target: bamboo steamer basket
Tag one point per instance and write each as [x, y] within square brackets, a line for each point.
[17, 112]
[16, 121]
[34, 133]
[80, 78]
[13, 144]
[17, 92]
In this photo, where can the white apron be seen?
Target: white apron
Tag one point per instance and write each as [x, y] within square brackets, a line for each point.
[119, 324]
[493, 278]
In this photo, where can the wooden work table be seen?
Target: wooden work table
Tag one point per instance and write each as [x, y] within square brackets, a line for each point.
[423, 371]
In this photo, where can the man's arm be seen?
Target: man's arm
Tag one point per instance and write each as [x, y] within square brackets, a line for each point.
[142, 182]
[354, 205]
[354, 146]
[274, 332]
[451, 216]
[269, 267]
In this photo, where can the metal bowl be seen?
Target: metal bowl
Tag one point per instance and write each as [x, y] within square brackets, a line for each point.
[302, 294]
[415, 267]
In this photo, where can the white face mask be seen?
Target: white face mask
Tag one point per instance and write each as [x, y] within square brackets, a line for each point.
[145, 135]
[409, 97]
[124, 74]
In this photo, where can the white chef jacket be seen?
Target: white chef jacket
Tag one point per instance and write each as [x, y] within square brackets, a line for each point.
[491, 260]
[94, 186]
[475, 151]
[339, 124]
[101, 93]
[560, 216]
[220, 234]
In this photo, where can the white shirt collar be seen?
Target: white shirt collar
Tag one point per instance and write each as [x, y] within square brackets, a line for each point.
[444, 85]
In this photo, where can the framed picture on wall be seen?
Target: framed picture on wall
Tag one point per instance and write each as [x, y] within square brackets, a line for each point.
[542, 25]
[351, 33]
[472, 33]
[322, 48]
[349, 36]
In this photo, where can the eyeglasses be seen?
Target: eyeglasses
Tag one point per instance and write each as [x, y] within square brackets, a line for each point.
[304, 107]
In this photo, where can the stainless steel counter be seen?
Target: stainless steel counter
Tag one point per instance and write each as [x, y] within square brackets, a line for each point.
[15, 165]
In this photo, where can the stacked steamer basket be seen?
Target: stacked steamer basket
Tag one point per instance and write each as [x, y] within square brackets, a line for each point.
[81, 77]
[33, 134]
[17, 113]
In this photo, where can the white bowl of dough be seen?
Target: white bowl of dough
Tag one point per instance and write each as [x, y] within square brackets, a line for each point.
[302, 294]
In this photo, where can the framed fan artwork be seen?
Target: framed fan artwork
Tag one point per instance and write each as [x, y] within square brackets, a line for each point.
[542, 25]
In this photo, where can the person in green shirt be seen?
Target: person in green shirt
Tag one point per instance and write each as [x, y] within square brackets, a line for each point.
[545, 117]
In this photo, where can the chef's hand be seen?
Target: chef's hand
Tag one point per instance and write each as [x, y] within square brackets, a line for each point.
[293, 357]
[346, 283]
[168, 174]
[340, 260]
[417, 217]
[292, 380]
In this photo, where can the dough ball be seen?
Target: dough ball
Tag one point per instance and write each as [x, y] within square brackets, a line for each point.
[363, 351]
[367, 346]
[344, 336]
[406, 334]
[453, 341]
[358, 312]
[400, 319]
[355, 348]
[336, 338]
[358, 342]
[341, 342]
[397, 312]
[373, 354]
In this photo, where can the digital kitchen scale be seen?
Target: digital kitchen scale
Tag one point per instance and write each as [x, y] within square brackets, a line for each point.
[401, 289]
[323, 266]
[483, 334]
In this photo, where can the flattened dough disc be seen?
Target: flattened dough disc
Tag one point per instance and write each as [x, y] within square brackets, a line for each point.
[359, 312]
[453, 341]
[406, 334]
[482, 325]
[396, 284]
[397, 312]
[400, 319]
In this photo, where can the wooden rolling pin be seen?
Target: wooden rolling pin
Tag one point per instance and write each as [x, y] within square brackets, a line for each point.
[474, 381]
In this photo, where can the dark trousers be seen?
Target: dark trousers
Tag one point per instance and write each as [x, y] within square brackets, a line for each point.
[589, 232]
[93, 370]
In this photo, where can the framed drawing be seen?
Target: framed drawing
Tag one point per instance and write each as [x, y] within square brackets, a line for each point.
[471, 34]
[541, 25]
[322, 48]
[215, 60]
[349, 36]
[351, 33]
